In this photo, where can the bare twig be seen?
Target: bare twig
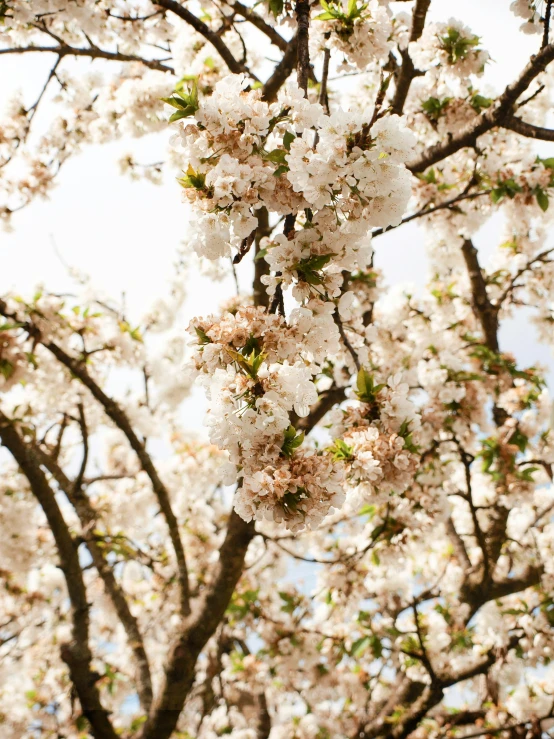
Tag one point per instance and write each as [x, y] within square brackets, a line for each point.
[546, 31]
[93, 53]
[303, 35]
[216, 41]
[528, 129]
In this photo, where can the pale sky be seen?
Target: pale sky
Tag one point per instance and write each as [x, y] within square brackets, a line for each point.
[124, 234]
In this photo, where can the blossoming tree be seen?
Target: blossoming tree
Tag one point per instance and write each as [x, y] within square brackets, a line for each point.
[391, 447]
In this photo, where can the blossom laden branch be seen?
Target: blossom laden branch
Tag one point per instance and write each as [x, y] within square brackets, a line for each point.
[499, 113]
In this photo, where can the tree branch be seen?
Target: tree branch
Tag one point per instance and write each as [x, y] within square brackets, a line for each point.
[88, 518]
[119, 418]
[281, 72]
[207, 613]
[427, 211]
[303, 37]
[257, 21]
[528, 129]
[407, 71]
[216, 41]
[485, 311]
[546, 31]
[93, 53]
[76, 654]
[496, 115]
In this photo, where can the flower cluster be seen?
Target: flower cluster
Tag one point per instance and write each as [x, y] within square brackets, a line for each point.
[527, 9]
[375, 438]
[243, 153]
[360, 31]
[259, 369]
[449, 48]
[14, 362]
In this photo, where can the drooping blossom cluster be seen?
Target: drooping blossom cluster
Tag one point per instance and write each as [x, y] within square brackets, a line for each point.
[528, 10]
[259, 370]
[361, 32]
[450, 50]
[376, 438]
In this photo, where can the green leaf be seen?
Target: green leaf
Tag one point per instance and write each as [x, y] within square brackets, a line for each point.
[310, 268]
[456, 45]
[185, 113]
[519, 439]
[291, 441]
[542, 198]
[203, 337]
[6, 368]
[548, 162]
[505, 188]
[341, 451]
[406, 434]
[366, 388]
[360, 646]
[175, 103]
[288, 138]
[185, 102]
[251, 364]
[368, 510]
[193, 179]
[434, 107]
[527, 474]
[281, 170]
[261, 254]
[276, 7]
[11, 326]
[277, 156]
[290, 602]
[478, 102]
[377, 531]
[82, 723]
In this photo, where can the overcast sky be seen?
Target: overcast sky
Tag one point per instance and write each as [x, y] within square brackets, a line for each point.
[124, 234]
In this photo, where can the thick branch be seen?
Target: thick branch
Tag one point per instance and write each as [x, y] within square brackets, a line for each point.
[257, 21]
[261, 267]
[88, 518]
[207, 613]
[282, 71]
[407, 70]
[327, 400]
[529, 130]
[485, 311]
[303, 60]
[77, 654]
[458, 544]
